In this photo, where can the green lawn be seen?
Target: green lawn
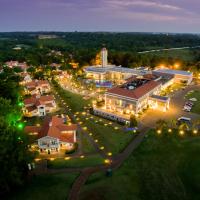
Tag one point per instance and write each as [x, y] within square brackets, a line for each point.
[91, 160]
[164, 167]
[181, 54]
[43, 187]
[86, 145]
[113, 140]
[75, 101]
[195, 94]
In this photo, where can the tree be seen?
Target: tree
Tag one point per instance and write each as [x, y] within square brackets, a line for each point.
[161, 124]
[133, 121]
[14, 157]
[184, 126]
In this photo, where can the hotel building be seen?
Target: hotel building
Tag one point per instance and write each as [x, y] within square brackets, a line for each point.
[105, 72]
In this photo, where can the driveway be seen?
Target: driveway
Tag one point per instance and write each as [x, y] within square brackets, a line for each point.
[150, 117]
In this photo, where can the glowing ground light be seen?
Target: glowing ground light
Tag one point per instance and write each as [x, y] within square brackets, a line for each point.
[82, 156]
[105, 124]
[84, 128]
[116, 128]
[90, 134]
[102, 147]
[96, 141]
[181, 132]
[134, 131]
[109, 154]
[37, 159]
[169, 130]
[159, 131]
[52, 159]
[195, 131]
[107, 161]
[67, 158]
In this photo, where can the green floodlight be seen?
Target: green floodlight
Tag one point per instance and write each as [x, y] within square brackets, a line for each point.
[20, 126]
[20, 104]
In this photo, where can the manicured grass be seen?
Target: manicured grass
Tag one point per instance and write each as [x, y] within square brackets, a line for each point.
[42, 187]
[87, 161]
[195, 94]
[182, 54]
[75, 101]
[86, 145]
[113, 140]
[164, 167]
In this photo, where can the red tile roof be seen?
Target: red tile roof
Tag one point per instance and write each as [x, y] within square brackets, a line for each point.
[32, 129]
[54, 127]
[36, 83]
[135, 93]
[43, 100]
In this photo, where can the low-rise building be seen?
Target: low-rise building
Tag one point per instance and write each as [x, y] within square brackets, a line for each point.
[179, 75]
[13, 64]
[106, 72]
[37, 87]
[138, 93]
[53, 134]
[39, 105]
[26, 78]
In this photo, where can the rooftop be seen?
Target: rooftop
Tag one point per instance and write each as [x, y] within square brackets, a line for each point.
[174, 72]
[54, 127]
[135, 88]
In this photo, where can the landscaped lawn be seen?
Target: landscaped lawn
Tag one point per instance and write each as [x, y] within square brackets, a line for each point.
[164, 167]
[195, 94]
[182, 54]
[75, 101]
[113, 140]
[87, 161]
[87, 147]
[46, 187]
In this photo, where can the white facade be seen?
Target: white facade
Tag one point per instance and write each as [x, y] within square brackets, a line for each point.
[104, 57]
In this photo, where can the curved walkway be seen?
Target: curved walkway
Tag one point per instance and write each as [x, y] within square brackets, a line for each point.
[117, 162]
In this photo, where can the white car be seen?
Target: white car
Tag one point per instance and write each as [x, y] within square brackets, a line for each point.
[187, 108]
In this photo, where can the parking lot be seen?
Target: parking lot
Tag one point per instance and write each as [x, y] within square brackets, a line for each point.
[177, 103]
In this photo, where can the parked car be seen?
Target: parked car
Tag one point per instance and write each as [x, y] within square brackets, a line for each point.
[183, 120]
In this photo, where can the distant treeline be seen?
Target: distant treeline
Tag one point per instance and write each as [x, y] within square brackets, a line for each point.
[83, 47]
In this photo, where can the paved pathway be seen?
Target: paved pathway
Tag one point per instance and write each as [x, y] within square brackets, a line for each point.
[117, 162]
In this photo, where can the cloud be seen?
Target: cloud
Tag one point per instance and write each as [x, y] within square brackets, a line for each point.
[142, 3]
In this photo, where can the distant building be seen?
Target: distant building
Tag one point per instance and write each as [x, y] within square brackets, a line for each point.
[105, 72]
[26, 78]
[43, 37]
[39, 105]
[53, 134]
[37, 87]
[12, 64]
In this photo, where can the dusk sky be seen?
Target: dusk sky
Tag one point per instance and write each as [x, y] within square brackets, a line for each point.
[100, 15]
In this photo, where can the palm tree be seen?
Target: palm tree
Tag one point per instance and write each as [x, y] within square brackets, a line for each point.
[184, 126]
[173, 124]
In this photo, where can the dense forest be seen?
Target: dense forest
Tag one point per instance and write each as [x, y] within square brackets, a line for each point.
[83, 47]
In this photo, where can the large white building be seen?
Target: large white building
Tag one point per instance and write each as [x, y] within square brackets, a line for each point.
[106, 72]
